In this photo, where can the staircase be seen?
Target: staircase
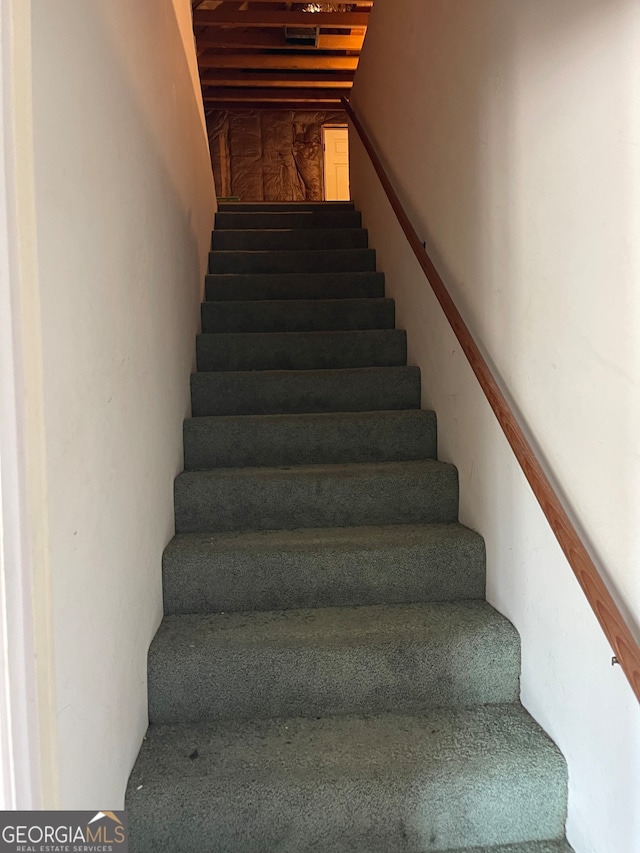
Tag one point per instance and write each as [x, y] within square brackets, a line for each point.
[328, 677]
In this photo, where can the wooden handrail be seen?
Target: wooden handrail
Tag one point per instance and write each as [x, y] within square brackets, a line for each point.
[612, 622]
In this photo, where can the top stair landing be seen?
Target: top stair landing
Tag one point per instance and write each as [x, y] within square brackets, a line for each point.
[287, 206]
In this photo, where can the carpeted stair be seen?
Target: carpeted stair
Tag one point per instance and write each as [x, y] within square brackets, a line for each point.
[328, 677]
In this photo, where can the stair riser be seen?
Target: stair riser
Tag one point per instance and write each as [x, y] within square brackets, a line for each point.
[335, 260]
[256, 501]
[309, 440]
[202, 578]
[321, 207]
[298, 315]
[282, 393]
[298, 240]
[317, 219]
[525, 847]
[194, 678]
[355, 285]
[298, 818]
[301, 351]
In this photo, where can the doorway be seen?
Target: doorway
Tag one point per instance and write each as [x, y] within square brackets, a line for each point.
[335, 143]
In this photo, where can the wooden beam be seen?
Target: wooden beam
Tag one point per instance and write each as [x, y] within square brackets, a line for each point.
[219, 37]
[331, 42]
[364, 3]
[232, 18]
[306, 106]
[280, 95]
[274, 79]
[276, 63]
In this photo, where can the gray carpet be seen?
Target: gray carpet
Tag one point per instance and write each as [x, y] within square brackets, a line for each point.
[328, 677]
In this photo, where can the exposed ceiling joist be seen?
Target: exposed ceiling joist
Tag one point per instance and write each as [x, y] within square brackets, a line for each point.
[280, 95]
[309, 79]
[248, 59]
[276, 63]
[224, 38]
[242, 106]
[233, 18]
[364, 3]
[327, 41]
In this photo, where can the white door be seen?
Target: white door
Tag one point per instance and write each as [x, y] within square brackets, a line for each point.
[336, 163]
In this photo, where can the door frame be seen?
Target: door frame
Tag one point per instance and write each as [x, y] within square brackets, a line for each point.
[28, 730]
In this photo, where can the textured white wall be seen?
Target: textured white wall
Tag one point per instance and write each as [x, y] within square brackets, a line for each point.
[511, 131]
[124, 207]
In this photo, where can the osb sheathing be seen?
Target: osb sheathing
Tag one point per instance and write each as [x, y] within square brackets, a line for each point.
[262, 155]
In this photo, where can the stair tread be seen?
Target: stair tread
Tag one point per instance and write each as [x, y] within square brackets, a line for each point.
[306, 304]
[319, 417]
[303, 304]
[291, 230]
[336, 371]
[347, 470]
[317, 372]
[289, 206]
[316, 253]
[287, 230]
[330, 627]
[318, 276]
[379, 781]
[318, 335]
[487, 731]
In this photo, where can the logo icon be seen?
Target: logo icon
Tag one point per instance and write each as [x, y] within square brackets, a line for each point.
[111, 815]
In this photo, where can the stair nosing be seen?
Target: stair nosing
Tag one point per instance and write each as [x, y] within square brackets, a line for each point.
[338, 230]
[298, 615]
[347, 469]
[323, 532]
[384, 413]
[314, 301]
[314, 332]
[322, 371]
[289, 251]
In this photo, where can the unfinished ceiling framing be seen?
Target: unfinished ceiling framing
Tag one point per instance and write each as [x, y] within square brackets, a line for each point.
[266, 54]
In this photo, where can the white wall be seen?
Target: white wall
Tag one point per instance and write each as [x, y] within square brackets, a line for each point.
[124, 207]
[511, 131]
